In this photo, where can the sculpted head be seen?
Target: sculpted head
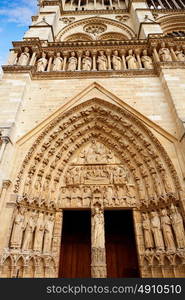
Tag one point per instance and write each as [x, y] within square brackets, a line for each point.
[87, 53]
[58, 54]
[130, 52]
[101, 52]
[145, 52]
[115, 52]
[26, 49]
[73, 54]
[43, 55]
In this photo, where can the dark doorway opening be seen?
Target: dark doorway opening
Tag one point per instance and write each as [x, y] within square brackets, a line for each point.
[121, 251]
[75, 259]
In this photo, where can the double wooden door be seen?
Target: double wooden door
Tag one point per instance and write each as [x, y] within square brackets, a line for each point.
[121, 255]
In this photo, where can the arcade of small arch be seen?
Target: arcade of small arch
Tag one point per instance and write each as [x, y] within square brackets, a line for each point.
[98, 154]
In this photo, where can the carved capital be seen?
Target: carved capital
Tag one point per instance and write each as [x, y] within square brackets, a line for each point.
[6, 184]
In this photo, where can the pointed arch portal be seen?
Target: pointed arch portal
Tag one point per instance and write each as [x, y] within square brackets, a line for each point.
[97, 157]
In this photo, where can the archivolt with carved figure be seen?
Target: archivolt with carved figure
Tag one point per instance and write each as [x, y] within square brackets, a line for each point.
[98, 156]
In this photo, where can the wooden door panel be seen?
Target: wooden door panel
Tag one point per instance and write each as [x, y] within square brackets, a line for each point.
[121, 250]
[75, 259]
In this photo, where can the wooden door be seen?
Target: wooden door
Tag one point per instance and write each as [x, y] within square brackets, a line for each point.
[75, 259]
[121, 253]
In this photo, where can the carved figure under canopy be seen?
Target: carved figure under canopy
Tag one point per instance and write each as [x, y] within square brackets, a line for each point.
[18, 227]
[58, 63]
[178, 227]
[148, 238]
[28, 234]
[146, 60]
[167, 231]
[42, 63]
[72, 62]
[116, 61]
[131, 60]
[24, 57]
[98, 239]
[156, 229]
[48, 234]
[39, 231]
[102, 62]
[86, 62]
[180, 55]
[164, 53]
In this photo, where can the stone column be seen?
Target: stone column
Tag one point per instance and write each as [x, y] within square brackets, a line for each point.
[155, 53]
[173, 55]
[65, 55]
[57, 236]
[33, 58]
[94, 60]
[5, 186]
[5, 140]
[137, 52]
[108, 52]
[123, 52]
[98, 254]
[79, 53]
[51, 55]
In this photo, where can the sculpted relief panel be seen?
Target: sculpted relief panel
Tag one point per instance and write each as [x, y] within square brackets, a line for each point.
[97, 168]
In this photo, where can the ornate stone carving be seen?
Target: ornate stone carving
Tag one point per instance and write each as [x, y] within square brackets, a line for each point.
[167, 231]
[95, 29]
[102, 62]
[148, 238]
[131, 60]
[146, 60]
[98, 238]
[39, 232]
[164, 53]
[24, 57]
[72, 62]
[86, 61]
[178, 227]
[48, 235]
[58, 62]
[42, 63]
[156, 229]
[116, 61]
[18, 227]
[29, 229]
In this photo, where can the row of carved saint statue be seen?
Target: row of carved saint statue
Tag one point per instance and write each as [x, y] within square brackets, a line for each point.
[101, 61]
[32, 230]
[164, 230]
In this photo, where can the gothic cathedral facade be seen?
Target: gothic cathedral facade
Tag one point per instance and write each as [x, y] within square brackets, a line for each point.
[92, 142]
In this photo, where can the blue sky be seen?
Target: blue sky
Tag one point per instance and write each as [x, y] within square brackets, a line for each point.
[15, 17]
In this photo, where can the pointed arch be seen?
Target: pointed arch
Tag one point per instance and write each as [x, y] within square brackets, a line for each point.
[120, 131]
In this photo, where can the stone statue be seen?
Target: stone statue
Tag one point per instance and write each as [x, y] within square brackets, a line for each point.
[109, 195]
[48, 234]
[116, 61]
[146, 60]
[180, 55]
[28, 234]
[42, 63]
[102, 62]
[98, 238]
[58, 62]
[72, 62]
[178, 227]
[131, 60]
[24, 57]
[18, 227]
[148, 238]
[87, 195]
[86, 61]
[39, 232]
[164, 53]
[167, 231]
[156, 229]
